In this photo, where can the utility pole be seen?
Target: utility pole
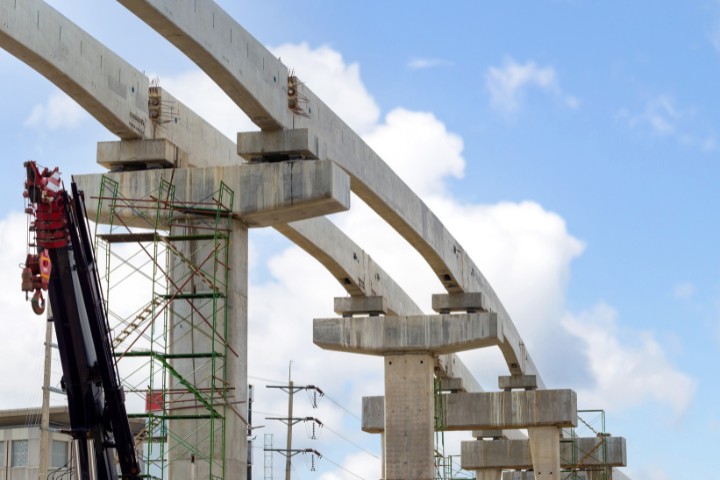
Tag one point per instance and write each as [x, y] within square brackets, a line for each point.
[289, 426]
[45, 419]
[289, 452]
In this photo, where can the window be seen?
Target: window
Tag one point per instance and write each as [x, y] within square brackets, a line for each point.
[59, 453]
[19, 453]
[2, 454]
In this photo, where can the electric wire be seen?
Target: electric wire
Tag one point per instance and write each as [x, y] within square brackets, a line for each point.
[351, 442]
[343, 468]
[344, 408]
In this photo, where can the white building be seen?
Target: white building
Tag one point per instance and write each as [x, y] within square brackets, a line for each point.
[20, 444]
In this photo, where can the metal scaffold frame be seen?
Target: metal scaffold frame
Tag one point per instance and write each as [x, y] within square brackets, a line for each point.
[590, 423]
[167, 285]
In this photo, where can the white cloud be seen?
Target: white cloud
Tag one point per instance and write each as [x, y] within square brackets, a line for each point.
[23, 331]
[661, 115]
[423, 63]
[664, 117]
[684, 290]
[324, 70]
[196, 90]
[508, 84]
[626, 373]
[419, 148]
[59, 112]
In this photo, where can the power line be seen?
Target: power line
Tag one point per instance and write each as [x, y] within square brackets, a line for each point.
[343, 468]
[351, 442]
[336, 403]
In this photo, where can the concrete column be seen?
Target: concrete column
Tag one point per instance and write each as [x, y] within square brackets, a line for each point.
[545, 452]
[409, 417]
[189, 333]
[488, 474]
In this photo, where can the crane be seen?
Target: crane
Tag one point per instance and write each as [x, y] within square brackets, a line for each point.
[62, 262]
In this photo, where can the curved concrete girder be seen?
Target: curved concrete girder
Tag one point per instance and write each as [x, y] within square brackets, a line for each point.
[101, 82]
[354, 269]
[258, 83]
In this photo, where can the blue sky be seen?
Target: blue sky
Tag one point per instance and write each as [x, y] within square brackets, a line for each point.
[572, 144]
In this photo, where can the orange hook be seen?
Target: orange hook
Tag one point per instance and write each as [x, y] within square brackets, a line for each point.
[38, 303]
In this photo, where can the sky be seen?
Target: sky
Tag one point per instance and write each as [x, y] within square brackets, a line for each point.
[569, 145]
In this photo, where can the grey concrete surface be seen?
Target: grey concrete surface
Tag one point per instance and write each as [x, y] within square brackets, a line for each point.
[515, 454]
[511, 382]
[459, 302]
[258, 83]
[490, 410]
[203, 146]
[349, 306]
[265, 194]
[101, 82]
[422, 333]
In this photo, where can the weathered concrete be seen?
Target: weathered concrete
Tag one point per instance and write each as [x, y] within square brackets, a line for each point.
[349, 306]
[515, 454]
[615, 474]
[491, 410]
[204, 146]
[383, 335]
[189, 333]
[265, 194]
[260, 85]
[140, 154]
[459, 302]
[101, 82]
[488, 474]
[545, 452]
[510, 382]
[409, 440]
[409, 344]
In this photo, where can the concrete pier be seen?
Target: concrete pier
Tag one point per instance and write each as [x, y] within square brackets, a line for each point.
[265, 194]
[491, 410]
[409, 345]
[515, 454]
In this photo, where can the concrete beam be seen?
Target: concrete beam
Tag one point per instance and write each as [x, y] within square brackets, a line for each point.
[515, 454]
[262, 86]
[349, 306]
[590, 474]
[512, 382]
[204, 145]
[99, 80]
[491, 410]
[140, 154]
[383, 335]
[298, 142]
[265, 194]
[459, 302]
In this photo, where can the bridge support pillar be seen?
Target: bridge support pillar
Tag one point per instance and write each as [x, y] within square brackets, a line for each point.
[545, 452]
[488, 474]
[409, 345]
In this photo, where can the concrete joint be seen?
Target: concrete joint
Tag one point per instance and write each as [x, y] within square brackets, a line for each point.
[516, 382]
[515, 454]
[265, 194]
[350, 306]
[459, 302]
[139, 154]
[491, 410]
[436, 334]
[278, 145]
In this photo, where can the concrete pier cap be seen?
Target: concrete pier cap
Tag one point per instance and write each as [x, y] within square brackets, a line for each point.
[433, 334]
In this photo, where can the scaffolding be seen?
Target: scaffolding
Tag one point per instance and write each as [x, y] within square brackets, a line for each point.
[446, 465]
[166, 276]
[591, 423]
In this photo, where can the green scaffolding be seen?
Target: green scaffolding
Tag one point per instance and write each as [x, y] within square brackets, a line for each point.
[591, 423]
[166, 276]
